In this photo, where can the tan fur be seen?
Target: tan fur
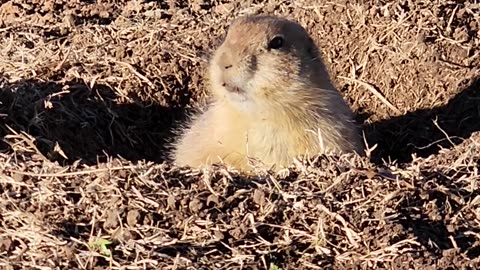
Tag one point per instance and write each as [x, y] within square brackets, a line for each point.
[287, 105]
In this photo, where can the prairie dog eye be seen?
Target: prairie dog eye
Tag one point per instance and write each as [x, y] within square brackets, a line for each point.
[276, 43]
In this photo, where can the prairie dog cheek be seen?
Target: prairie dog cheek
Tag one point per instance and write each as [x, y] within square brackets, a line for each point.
[215, 80]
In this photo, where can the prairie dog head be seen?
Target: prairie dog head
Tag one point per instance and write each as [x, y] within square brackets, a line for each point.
[266, 61]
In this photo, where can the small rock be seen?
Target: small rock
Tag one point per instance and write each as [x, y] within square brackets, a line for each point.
[219, 235]
[212, 198]
[259, 197]
[112, 219]
[132, 217]
[171, 201]
[195, 205]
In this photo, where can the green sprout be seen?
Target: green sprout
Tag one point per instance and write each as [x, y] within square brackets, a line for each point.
[274, 267]
[101, 244]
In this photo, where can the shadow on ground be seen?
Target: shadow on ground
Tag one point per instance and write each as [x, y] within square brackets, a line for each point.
[88, 124]
[424, 132]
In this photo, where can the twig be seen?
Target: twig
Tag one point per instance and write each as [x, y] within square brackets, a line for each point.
[27, 138]
[374, 91]
[134, 71]
[74, 173]
[435, 122]
[351, 234]
[62, 62]
[451, 18]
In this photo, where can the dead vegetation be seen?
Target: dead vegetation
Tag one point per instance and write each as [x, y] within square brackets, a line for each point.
[91, 91]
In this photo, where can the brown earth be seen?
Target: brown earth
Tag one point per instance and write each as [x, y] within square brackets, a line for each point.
[91, 90]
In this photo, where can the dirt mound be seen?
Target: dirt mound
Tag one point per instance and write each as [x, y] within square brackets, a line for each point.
[90, 94]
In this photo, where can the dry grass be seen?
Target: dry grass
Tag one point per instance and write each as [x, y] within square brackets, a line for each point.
[90, 94]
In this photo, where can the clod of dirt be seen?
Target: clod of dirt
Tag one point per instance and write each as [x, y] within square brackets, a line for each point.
[133, 217]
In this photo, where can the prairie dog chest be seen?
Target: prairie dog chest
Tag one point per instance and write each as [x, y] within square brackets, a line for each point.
[269, 139]
[261, 135]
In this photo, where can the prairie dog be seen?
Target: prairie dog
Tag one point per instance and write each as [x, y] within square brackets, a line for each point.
[272, 100]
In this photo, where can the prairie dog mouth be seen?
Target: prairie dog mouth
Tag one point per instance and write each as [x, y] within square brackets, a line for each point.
[233, 88]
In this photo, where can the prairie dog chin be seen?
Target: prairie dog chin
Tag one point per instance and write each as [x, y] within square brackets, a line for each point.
[272, 100]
